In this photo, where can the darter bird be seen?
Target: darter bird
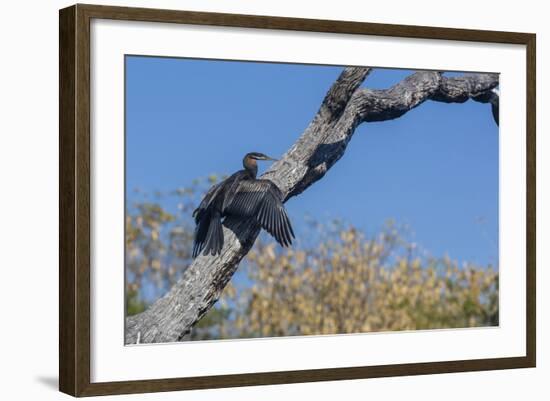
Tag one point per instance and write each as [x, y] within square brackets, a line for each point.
[244, 196]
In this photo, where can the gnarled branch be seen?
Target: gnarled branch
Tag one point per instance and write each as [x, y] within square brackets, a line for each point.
[322, 144]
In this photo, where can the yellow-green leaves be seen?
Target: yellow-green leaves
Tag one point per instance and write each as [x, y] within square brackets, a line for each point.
[353, 284]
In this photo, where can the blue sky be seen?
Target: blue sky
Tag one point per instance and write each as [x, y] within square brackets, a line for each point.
[434, 169]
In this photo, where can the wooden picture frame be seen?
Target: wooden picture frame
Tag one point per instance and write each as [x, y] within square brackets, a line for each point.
[74, 199]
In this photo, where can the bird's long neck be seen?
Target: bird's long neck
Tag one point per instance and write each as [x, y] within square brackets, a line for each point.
[250, 166]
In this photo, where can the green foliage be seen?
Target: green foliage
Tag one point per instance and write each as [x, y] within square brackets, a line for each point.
[133, 304]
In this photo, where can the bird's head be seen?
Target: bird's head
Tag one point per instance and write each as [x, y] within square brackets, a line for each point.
[249, 161]
[258, 156]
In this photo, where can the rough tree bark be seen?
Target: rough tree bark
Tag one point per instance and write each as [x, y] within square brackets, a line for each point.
[322, 144]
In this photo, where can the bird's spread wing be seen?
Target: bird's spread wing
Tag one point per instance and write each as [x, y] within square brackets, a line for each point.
[206, 201]
[262, 200]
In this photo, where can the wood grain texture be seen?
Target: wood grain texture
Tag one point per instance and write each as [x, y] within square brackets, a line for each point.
[82, 200]
[531, 202]
[74, 200]
[300, 376]
[74, 206]
[67, 117]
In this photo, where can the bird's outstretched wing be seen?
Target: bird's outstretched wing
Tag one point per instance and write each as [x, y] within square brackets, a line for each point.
[262, 200]
[207, 201]
[204, 229]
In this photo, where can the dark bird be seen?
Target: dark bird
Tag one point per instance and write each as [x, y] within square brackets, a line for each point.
[244, 196]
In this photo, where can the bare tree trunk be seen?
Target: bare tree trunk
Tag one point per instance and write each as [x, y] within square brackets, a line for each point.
[322, 144]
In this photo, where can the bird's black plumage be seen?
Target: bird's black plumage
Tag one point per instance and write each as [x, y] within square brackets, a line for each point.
[241, 195]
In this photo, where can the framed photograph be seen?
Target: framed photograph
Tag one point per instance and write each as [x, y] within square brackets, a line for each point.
[250, 200]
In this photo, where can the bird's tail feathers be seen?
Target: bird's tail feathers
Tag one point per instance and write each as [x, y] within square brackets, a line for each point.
[214, 237]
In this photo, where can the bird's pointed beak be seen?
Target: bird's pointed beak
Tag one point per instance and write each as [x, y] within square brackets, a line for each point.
[271, 158]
